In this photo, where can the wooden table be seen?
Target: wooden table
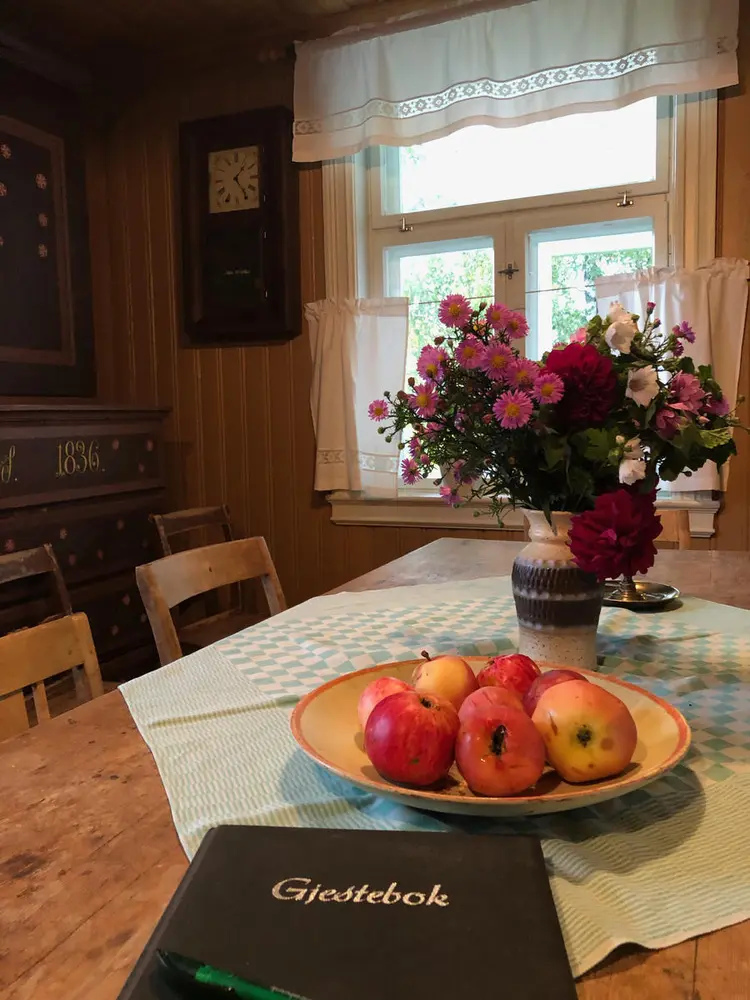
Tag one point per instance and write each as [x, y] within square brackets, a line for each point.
[89, 856]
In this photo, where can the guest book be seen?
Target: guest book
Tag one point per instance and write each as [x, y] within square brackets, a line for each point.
[350, 915]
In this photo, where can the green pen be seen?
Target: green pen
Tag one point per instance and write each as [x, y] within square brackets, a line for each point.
[192, 972]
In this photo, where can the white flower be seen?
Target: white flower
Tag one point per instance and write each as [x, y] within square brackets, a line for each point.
[643, 385]
[621, 329]
[633, 465]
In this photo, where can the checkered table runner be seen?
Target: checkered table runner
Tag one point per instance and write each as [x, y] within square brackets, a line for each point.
[654, 867]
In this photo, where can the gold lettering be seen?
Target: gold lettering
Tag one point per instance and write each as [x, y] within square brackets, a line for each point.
[345, 897]
[374, 897]
[413, 898]
[313, 893]
[77, 457]
[391, 896]
[284, 889]
[6, 465]
[327, 895]
[360, 894]
[437, 897]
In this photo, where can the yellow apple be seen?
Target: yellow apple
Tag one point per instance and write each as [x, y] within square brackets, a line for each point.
[588, 732]
[448, 677]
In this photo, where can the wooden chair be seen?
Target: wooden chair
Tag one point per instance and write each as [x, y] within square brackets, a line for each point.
[31, 656]
[168, 582]
[36, 562]
[180, 522]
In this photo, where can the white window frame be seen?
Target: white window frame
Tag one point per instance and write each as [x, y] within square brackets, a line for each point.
[357, 233]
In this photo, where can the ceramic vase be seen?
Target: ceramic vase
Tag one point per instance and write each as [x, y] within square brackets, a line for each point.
[557, 604]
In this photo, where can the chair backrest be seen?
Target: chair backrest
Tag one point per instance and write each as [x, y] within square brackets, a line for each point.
[28, 563]
[675, 527]
[29, 657]
[168, 582]
[179, 522]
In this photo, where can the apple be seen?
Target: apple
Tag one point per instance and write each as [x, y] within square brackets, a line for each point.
[448, 677]
[375, 692]
[478, 700]
[499, 751]
[515, 671]
[588, 732]
[410, 737]
[547, 680]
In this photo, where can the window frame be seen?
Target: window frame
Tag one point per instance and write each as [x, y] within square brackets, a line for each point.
[357, 234]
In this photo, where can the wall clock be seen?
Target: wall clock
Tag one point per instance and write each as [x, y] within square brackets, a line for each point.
[239, 229]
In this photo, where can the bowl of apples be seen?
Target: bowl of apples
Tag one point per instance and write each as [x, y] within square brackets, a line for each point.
[497, 736]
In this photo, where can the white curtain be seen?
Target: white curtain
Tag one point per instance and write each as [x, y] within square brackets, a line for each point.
[358, 350]
[713, 300]
[505, 67]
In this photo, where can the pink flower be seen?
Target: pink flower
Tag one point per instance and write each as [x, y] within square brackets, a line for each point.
[450, 496]
[684, 332]
[548, 388]
[425, 459]
[429, 363]
[415, 446]
[516, 325]
[668, 422]
[496, 358]
[678, 350]
[378, 410]
[424, 400]
[522, 373]
[513, 409]
[650, 306]
[431, 431]
[455, 310]
[579, 337]
[469, 353]
[686, 393]
[716, 407]
[409, 471]
[497, 316]
[460, 420]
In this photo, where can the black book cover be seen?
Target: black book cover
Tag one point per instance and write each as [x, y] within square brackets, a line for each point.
[349, 915]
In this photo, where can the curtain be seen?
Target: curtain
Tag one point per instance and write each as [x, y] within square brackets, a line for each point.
[517, 64]
[713, 300]
[358, 350]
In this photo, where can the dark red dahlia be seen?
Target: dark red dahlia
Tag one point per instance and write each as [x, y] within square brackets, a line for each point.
[590, 384]
[616, 538]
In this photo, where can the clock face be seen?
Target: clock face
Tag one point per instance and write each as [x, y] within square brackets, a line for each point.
[233, 182]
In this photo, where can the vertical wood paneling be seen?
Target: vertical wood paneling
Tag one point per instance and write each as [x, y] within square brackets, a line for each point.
[240, 429]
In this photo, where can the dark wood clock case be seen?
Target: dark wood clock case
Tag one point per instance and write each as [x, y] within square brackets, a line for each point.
[240, 269]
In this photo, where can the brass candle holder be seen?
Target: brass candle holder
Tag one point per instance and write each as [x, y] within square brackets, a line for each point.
[638, 594]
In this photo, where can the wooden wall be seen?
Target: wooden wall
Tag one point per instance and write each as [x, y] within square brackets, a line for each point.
[240, 429]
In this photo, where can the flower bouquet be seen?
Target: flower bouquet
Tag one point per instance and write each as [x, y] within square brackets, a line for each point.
[579, 440]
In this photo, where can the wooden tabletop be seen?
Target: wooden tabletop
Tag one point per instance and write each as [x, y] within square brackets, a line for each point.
[89, 856]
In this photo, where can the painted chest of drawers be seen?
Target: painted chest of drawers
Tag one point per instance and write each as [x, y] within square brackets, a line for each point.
[85, 479]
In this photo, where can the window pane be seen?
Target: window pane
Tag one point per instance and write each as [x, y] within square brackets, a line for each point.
[562, 267]
[430, 272]
[575, 153]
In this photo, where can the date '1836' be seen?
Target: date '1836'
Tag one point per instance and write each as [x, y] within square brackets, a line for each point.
[77, 457]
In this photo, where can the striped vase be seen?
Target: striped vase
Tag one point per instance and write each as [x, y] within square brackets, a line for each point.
[557, 604]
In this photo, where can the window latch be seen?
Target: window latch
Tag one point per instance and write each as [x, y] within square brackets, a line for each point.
[508, 271]
[625, 200]
[404, 227]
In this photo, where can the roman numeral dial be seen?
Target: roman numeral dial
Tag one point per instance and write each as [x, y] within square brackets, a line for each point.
[233, 179]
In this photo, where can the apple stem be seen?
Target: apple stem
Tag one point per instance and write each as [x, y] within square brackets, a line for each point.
[425, 655]
[497, 743]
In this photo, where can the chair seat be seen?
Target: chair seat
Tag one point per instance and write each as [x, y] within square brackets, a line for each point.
[209, 630]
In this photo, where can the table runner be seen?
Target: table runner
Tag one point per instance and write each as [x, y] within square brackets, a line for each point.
[654, 867]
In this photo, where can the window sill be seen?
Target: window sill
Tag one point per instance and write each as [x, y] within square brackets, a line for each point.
[425, 509]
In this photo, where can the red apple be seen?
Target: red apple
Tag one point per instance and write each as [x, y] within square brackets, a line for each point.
[547, 680]
[588, 732]
[448, 677]
[499, 751]
[516, 671]
[375, 692]
[410, 737]
[480, 699]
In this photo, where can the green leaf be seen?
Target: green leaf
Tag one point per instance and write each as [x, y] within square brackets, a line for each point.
[686, 364]
[554, 452]
[594, 443]
[705, 372]
[580, 481]
[712, 439]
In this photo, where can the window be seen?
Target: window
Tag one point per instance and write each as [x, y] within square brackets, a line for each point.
[531, 216]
